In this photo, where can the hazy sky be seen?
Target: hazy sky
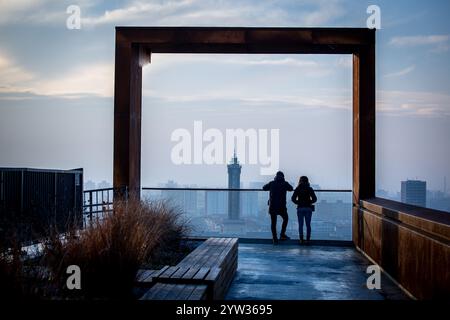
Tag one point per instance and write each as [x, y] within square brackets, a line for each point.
[56, 89]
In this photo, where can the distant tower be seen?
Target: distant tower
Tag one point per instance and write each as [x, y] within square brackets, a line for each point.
[414, 192]
[234, 182]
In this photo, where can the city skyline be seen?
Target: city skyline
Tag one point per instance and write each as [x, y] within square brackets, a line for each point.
[57, 108]
[434, 199]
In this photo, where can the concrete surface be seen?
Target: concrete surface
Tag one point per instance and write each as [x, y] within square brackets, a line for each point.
[294, 272]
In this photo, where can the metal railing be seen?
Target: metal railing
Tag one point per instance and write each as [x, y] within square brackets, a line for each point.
[207, 210]
[97, 202]
[227, 189]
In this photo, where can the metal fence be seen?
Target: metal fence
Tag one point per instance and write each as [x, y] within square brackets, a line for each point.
[210, 212]
[37, 202]
[206, 209]
[98, 202]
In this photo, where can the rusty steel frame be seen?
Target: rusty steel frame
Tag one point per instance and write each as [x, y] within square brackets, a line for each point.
[134, 46]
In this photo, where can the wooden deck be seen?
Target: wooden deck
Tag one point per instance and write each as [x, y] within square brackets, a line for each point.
[205, 274]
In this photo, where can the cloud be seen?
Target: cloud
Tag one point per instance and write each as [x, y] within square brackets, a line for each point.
[439, 43]
[247, 102]
[345, 61]
[97, 78]
[11, 10]
[214, 12]
[260, 59]
[176, 12]
[24, 11]
[138, 11]
[40, 12]
[290, 62]
[325, 12]
[93, 79]
[308, 66]
[13, 76]
[392, 103]
[413, 103]
[402, 72]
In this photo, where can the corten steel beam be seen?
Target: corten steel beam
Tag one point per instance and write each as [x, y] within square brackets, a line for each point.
[134, 42]
[127, 117]
[364, 123]
[363, 134]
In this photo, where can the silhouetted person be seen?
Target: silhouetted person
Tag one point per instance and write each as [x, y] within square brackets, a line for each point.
[277, 204]
[304, 197]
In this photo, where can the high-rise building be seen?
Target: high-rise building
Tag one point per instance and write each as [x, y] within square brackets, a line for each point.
[414, 192]
[234, 182]
[249, 203]
[185, 200]
[216, 202]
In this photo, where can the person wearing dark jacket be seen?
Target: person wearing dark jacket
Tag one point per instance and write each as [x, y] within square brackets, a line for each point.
[304, 197]
[277, 204]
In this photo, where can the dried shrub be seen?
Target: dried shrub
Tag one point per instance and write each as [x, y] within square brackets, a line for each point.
[111, 250]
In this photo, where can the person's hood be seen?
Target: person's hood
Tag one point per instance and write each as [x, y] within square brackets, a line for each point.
[279, 176]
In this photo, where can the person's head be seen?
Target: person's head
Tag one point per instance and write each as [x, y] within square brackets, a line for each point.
[303, 180]
[279, 176]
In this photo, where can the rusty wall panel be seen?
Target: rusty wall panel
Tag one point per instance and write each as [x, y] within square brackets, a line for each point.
[371, 236]
[356, 227]
[418, 260]
[364, 123]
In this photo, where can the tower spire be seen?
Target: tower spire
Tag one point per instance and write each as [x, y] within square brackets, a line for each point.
[234, 160]
[234, 182]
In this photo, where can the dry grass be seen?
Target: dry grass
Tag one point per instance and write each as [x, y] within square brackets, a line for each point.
[110, 252]
[11, 273]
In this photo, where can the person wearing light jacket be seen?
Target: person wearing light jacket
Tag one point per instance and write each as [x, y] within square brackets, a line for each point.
[304, 197]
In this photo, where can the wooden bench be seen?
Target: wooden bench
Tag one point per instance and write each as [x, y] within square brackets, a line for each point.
[205, 273]
[144, 277]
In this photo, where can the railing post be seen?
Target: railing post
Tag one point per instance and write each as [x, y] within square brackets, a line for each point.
[90, 206]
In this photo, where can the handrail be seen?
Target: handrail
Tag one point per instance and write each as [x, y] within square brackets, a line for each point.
[211, 189]
[99, 190]
[234, 189]
[98, 202]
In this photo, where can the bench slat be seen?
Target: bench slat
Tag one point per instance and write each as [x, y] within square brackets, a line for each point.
[174, 291]
[151, 294]
[180, 272]
[186, 292]
[201, 274]
[191, 273]
[163, 269]
[213, 274]
[169, 272]
[199, 293]
[213, 264]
